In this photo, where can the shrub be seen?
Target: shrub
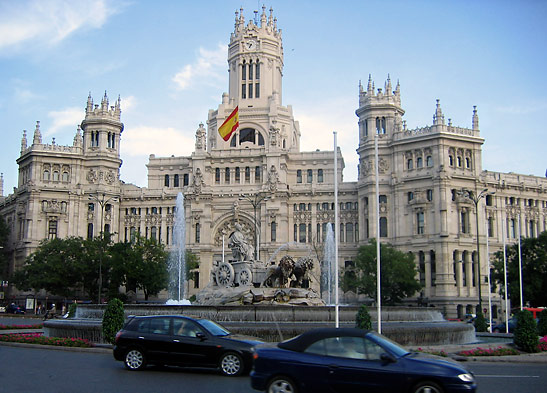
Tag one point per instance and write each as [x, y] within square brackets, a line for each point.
[542, 323]
[72, 310]
[525, 336]
[362, 320]
[542, 347]
[113, 320]
[480, 323]
[38, 338]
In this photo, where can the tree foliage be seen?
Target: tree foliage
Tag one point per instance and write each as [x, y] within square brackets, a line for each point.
[534, 271]
[362, 319]
[526, 336]
[398, 274]
[113, 320]
[70, 266]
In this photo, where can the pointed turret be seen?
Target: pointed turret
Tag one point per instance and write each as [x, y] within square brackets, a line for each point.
[438, 117]
[78, 139]
[475, 118]
[24, 142]
[388, 87]
[89, 107]
[37, 140]
[370, 86]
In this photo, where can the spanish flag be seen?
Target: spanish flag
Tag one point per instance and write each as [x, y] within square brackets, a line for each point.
[230, 125]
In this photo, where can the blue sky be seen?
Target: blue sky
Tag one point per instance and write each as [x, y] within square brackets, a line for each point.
[167, 61]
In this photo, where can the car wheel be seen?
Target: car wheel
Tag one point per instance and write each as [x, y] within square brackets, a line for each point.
[135, 360]
[427, 387]
[231, 364]
[281, 385]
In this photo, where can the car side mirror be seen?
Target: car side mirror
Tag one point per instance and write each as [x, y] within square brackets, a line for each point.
[201, 336]
[387, 358]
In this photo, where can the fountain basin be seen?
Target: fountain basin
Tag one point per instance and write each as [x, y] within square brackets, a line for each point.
[407, 326]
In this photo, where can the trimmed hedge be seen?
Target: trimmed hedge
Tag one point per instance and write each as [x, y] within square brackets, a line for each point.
[113, 320]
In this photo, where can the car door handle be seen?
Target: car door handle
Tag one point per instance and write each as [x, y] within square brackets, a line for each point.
[333, 368]
[177, 341]
[141, 338]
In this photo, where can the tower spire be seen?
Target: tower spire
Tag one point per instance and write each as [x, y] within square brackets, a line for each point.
[37, 140]
[475, 118]
[24, 141]
[438, 117]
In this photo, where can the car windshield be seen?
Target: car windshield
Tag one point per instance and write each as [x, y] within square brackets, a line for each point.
[391, 346]
[214, 328]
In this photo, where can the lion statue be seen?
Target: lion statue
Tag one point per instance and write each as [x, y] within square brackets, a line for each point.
[278, 276]
[302, 266]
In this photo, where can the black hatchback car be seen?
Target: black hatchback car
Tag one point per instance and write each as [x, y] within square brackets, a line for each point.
[182, 341]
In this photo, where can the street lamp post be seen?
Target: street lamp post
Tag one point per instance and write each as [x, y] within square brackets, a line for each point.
[475, 198]
[102, 200]
[255, 200]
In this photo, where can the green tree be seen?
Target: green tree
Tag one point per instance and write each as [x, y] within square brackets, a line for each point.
[113, 320]
[362, 319]
[398, 273]
[525, 335]
[147, 267]
[480, 322]
[59, 266]
[534, 271]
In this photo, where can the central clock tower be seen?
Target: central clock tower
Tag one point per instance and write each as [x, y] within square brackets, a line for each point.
[255, 59]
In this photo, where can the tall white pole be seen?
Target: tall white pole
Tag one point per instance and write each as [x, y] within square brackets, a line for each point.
[505, 281]
[520, 267]
[336, 234]
[488, 276]
[378, 262]
[223, 248]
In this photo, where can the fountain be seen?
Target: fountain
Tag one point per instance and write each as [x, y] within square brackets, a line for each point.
[328, 267]
[177, 257]
[266, 300]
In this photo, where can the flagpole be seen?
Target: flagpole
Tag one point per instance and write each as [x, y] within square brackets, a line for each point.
[336, 234]
[378, 262]
[505, 280]
[520, 267]
[489, 284]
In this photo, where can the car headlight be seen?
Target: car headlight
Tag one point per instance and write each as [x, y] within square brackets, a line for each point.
[466, 377]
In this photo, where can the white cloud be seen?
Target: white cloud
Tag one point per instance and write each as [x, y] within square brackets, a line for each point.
[128, 104]
[317, 124]
[145, 140]
[69, 117]
[210, 66]
[49, 22]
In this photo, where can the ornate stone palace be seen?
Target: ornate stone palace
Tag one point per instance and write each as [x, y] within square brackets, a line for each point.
[260, 176]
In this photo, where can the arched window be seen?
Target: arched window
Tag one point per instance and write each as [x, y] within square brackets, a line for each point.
[419, 162]
[383, 125]
[320, 176]
[450, 160]
[310, 176]
[166, 181]
[302, 233]
[468, 163]
[90, 230]
[299, 175]
[429, 161]
[238, 174]
[65, 177]
[247, 174]
[273, 233]
[55, 175]
[46, 175]
[409, 164]
[217, 175]
[176, 181]
[227, 175]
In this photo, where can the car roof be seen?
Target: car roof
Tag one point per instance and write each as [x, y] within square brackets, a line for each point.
[162, 316]
[303, 341]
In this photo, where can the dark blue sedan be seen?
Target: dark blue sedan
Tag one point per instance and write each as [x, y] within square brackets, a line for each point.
[353, 360]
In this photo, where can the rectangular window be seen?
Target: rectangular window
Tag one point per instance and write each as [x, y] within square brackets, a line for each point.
[295, 232]
[251, 71]
[238, 175]
[244, 72]
[258, 175]
[176, 181]
[198, 233]
[247, 174]
[185, 179]
[257, 90]
[217, 175]
[250, 90]
[420, 223]
[274, 231]
[243, 91]
[463, 222]
[382, 199]
[302, 233]
[349, 232]
[310, 176]
[429, 195]
[320, 176]
[299, 176]
[52, 230]
[257, 76]
[383, 227]
[227, 175]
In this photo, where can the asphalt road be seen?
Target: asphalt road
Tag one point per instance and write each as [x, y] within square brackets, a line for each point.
[46, 370]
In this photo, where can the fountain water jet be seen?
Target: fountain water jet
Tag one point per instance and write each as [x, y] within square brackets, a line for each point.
[177, 256]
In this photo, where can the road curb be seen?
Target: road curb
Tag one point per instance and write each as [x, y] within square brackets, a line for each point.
[97, 349]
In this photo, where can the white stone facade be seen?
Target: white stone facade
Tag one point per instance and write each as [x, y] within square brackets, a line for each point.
[75, 190]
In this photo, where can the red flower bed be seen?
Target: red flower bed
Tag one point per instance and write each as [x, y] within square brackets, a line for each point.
[500, 351]
[38, 338]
